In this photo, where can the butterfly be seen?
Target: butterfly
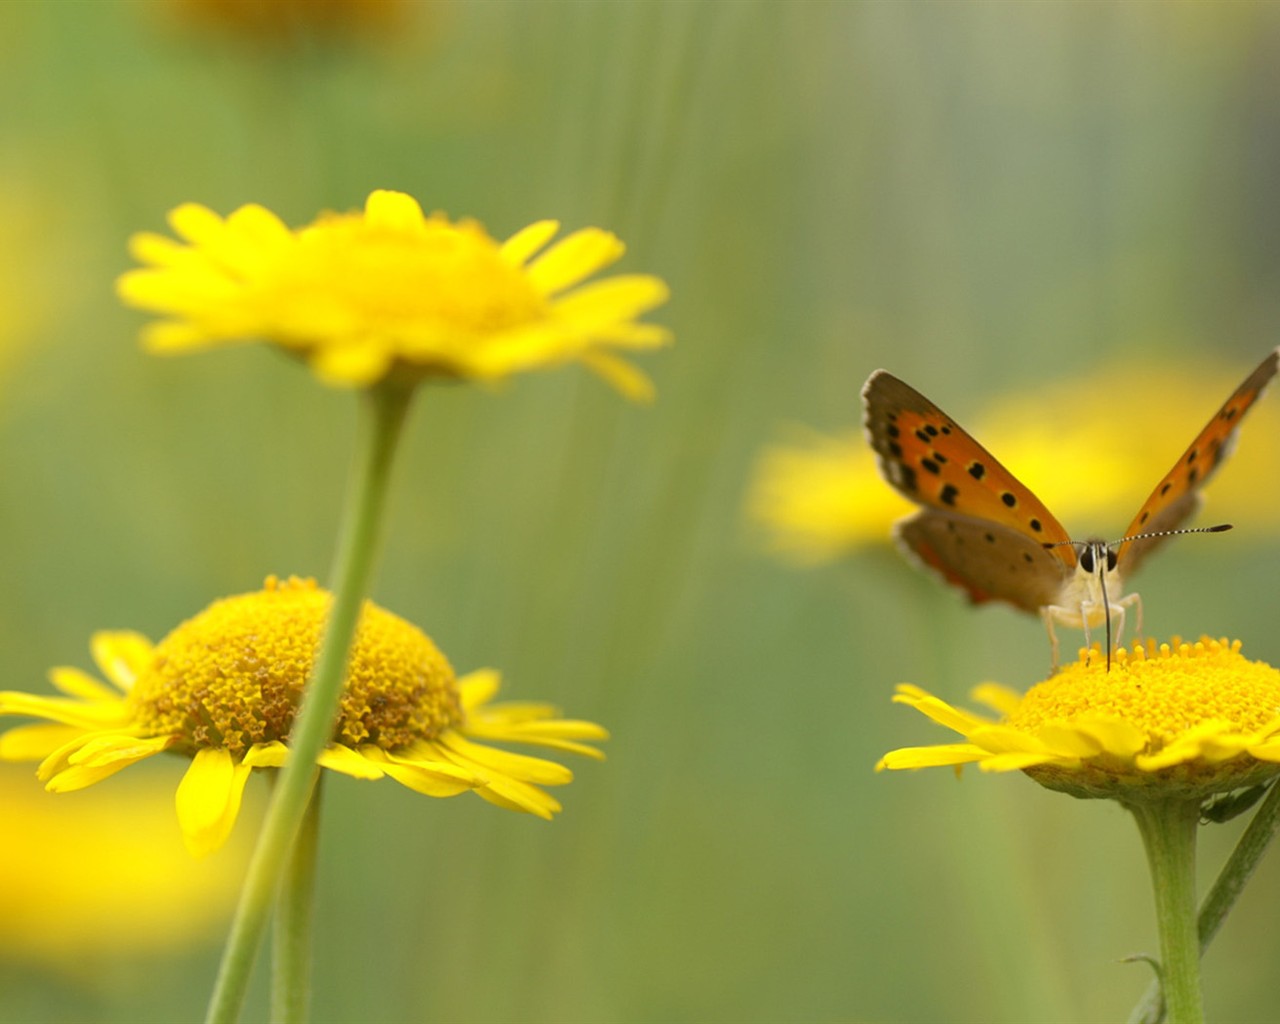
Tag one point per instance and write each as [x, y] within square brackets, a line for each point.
[985, 532]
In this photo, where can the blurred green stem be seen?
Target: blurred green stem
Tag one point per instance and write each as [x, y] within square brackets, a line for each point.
[1168, 830]
[291, 939]
[1235, 874]
[384, 409]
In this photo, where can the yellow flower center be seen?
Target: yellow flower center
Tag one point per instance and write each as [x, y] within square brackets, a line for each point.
[1163, 691]
[432, 281]
[233, 675]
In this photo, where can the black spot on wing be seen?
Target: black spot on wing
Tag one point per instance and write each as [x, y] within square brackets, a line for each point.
[931, 466]
[948, 495]
[1009, 498]
[895, 449]
[977, 470]
[1036, 525]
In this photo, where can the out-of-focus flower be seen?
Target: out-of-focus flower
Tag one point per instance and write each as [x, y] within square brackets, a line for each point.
[222, 689]
[1174, 721]
[102, 877]
[389, 291]
[1091, 449]
[286, 22]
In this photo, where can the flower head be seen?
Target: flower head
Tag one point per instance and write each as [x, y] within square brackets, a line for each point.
[223, 689]
[1177, 720]
[390, 291]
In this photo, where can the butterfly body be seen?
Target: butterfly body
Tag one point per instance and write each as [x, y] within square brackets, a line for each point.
[985, 532]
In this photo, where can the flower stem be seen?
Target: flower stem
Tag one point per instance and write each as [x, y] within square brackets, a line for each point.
[1235, 874]
[1168, 830]
[291, 938]
[384, 411]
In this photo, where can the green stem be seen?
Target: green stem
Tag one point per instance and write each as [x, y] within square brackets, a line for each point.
[1235, 874]
[384, 413]
[291, 938]
[1168, 830]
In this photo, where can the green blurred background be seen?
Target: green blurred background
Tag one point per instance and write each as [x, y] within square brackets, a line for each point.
[983, 197]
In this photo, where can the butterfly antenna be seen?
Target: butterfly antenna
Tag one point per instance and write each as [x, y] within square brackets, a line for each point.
[1220, 528]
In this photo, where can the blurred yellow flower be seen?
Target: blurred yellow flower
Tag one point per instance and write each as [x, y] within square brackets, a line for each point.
[103, 877]
[1091, 449]
[389, 291]
[283, 22]
[1178, 721]
[223, 688]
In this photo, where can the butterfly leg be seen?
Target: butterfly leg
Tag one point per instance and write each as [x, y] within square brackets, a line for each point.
[1118, 610]
[1047, 613]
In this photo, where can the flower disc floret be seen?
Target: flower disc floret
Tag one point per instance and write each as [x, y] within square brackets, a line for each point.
[1164, 720]
[390, 291]
[233, 676]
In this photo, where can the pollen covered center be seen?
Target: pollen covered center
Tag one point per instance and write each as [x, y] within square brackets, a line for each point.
[233, 675]
[1163, 691]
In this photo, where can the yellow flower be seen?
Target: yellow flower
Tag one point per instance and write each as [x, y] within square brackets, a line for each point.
[282, 22]
[104, 877]
[364, 295]
[1178, 720]
[223, 688]
[820, 497]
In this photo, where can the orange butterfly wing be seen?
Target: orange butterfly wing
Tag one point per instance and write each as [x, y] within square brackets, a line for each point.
[1177, 496]
[931, 460]
[979, 526]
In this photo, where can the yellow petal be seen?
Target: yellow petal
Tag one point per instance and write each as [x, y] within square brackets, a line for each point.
[999, 698]
[393, 210]
[81, 685]
[621, 297]
[931, 757]
[267, 755]
[625, 378]
[338, 758]
[196, 223]
[524, 243]
[573, 258]
[35, 742]
[208, 800]
[479, 687]
[122, 655]
[431, 778]
[940, 711]
[517, 766]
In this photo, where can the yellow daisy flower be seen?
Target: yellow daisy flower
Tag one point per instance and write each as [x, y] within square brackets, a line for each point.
[1172, 721]
[389, 290]
[819, 497]
[223, 689]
